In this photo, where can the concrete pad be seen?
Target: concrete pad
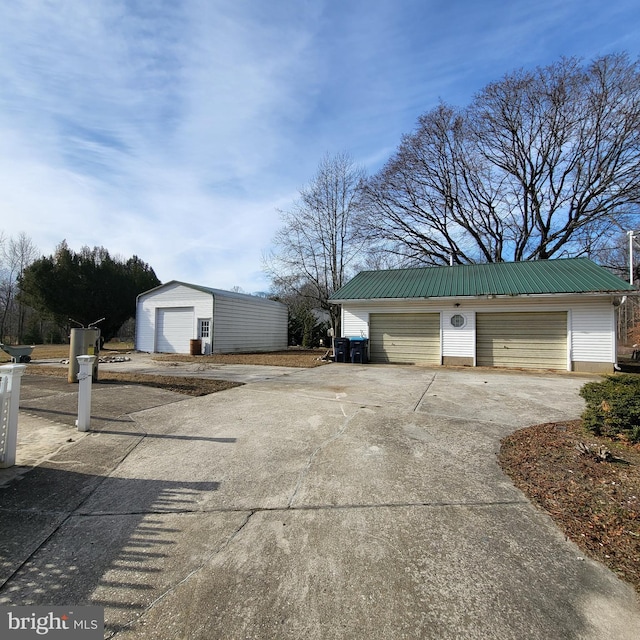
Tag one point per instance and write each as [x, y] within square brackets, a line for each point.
[490, 395]
[441, 573]
[49, 409]
[511, 399]
[124, 563]
[367, 385]
[111, 403]
[243, 373]
[38, 440]
[338, 502]
[422, 461]
[58, 467]
[256, 448]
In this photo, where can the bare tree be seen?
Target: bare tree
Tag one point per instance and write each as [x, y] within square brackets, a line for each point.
[542, 164]
[15, 256]
[320, 239]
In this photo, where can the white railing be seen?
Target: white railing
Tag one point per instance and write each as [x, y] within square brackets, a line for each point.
[10, 376]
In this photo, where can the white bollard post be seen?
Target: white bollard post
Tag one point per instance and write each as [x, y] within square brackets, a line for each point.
[84, 392]
[9, 421]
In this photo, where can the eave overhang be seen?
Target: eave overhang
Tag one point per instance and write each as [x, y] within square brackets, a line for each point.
[572, 294]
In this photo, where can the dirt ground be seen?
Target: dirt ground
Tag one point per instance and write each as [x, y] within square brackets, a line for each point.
[595, 503]
[186, 385]
[303, 358]
[293, 357]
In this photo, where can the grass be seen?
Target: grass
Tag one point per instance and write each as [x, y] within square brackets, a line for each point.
[49, 351]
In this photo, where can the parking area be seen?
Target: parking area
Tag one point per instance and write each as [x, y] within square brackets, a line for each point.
[345, 501]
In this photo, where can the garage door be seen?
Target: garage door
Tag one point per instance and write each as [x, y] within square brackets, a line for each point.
[174, 329]
[405, 338]
[522, 340]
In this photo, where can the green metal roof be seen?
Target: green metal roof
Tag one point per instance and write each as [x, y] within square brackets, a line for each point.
[573, 275]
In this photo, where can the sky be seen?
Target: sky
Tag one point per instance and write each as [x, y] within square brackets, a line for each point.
[177, 130]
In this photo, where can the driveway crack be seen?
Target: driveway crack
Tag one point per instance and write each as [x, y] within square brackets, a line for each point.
[173, 587]
[425, 393]
[305, 470]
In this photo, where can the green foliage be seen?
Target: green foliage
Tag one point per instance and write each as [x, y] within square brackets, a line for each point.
[33, 334]
[613, 406]
[87, 286]
[305, 329]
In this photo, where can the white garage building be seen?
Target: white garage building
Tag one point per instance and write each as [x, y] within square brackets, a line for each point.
[171, 315]
[548, 314]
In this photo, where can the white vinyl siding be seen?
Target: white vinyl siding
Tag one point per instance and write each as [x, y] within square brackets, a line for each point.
[145, 326]
[241, 324]
[593, 329]
[174, 329]
[405, 338]
[355, 322]
[522, 340]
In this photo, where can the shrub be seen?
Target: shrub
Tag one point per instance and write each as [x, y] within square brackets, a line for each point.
[613, 406]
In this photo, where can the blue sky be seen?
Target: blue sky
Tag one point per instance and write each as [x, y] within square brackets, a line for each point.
[176, 129]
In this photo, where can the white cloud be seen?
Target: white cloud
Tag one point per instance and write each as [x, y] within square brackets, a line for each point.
[175, 130]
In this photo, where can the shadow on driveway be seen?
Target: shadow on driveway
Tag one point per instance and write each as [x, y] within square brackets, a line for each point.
[50, 553]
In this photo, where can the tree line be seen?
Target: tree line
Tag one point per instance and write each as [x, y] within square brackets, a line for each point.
[41, 298]
[542, 164]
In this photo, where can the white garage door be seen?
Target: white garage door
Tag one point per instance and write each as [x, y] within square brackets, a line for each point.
[174, 329]
[522, 340]
[405, 338]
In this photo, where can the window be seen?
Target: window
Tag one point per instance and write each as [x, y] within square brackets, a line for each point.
[204, 327]
[458, 321]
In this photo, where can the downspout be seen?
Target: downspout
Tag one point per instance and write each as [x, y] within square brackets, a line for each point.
[616, 366]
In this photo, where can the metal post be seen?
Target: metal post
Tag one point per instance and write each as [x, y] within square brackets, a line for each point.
[13, 372]
[84, 392]
[83, 342]
[630, 234]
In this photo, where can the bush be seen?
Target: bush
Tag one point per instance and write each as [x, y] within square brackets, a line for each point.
[613, 406]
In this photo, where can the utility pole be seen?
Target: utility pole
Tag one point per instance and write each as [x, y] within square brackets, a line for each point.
[632, 237]
[630, 306]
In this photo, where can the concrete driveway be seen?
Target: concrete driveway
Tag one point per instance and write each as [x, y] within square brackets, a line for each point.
[346, 501]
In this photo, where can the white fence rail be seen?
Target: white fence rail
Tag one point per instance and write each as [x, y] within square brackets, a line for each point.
[10, 376]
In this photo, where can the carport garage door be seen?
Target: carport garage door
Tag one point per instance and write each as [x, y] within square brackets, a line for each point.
[174, 329]
[405, 338]
[522, 340]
